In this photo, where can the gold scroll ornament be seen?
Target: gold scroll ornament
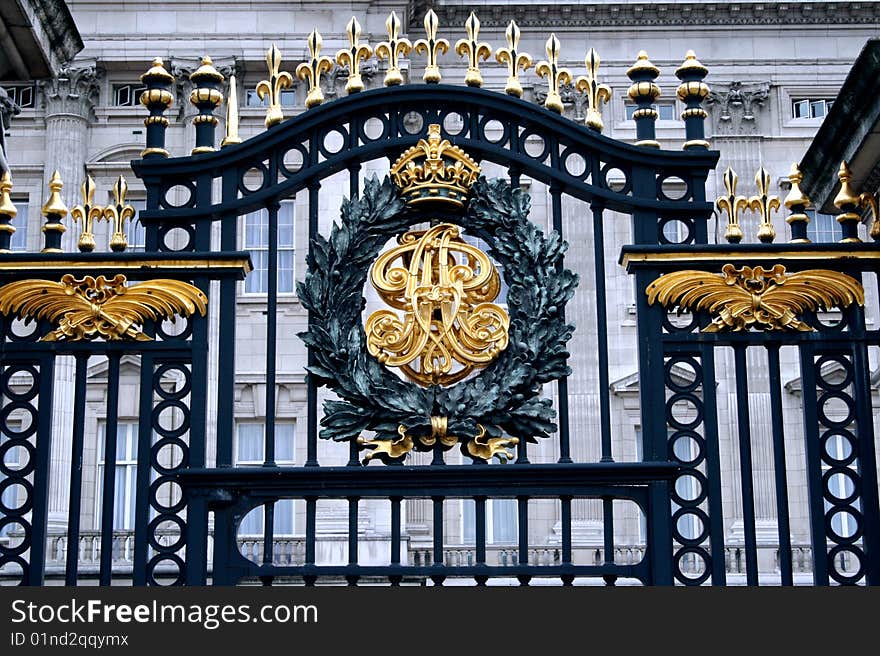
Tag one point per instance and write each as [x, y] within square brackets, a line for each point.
[89, 307]
[444, 286]
[746, 298]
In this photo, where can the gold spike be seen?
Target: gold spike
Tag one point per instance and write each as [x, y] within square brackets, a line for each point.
[473, 50]
[119, 212]
[847, 200]
[432, 47]
[732, 205]
[392, 49]
[764, 204]
[554, 74]
[312, 70]
[872, 202]
[55, 205]
[353, 55]
[7, 209]
[514, 60]
[797, 201]
[272, 87]
[86, 214]
[231, 137]
[596, 93]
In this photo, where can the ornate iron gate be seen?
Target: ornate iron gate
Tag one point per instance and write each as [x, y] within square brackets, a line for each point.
[192, 236]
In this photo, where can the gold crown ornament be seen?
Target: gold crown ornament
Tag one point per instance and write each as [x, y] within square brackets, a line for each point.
[434, 172]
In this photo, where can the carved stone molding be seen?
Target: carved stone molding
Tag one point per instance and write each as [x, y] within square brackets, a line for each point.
[74, 91]
[735, 105]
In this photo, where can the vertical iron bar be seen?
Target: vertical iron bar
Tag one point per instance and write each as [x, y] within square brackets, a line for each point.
[745, 463]
[271, 334]
[35, 573]
[602, 331]
[562, 383]
[312, 388]
[311, 504]
[523, 534]
[76, 462]
[713, 465]
[269, 533]
[608, 535]
[565, 503]
[144, 470]
[353, 531]
[438, 531]
[109, 483]
[395, 531]
[782, 516]
[480, 529]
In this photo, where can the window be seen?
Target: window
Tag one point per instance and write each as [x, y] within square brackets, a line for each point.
[22, 95]
[14, 459]
[256, 240]
[287, 99]
[811, 107]
[127, 95]
[250, 452]
[19, 237]
[501, 521]
[822, 228]
[126, 475]
[134, 229]
[665, 111]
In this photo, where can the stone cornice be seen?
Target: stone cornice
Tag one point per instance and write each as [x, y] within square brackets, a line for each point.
[653, 14]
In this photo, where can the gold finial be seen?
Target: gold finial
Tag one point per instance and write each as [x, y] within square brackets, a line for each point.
[435, 172]
[119, 212]
[691, 64]
[55, 205]
[796, 196]
[312, 70]
[642, 65]
[554, 74]
[87, 214]
[764, 204]
[732, 205]
[872, 202]
[353, 55]
[157, 72]
[231, 137]
[206, 71]
[278, 81]
[596, 93]
[847, 201]
[473, 50]
[432, 47]
[392, 49]
[797, 201]
[7, 212]
[514, 60]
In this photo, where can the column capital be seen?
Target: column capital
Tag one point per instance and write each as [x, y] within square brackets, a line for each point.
[74, 91]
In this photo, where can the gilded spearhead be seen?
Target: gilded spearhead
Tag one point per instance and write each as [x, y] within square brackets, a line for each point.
[596, 93]
[732, 205]
[514, 60]
[555, 75]
[432, 47]
[764, 204]
[119, 212]
[311, 70]
[86, 214]
[272, 87]
[352, 56]
[474, 50]
[392, 50]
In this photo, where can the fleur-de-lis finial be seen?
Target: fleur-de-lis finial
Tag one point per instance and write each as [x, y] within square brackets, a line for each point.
[392, 49]
[732, 205]
[432, 47]
[764, 204]
[231, 137]
[473, 50]
[277, 82]
[554, 74]
[312, 69]
[86, 214]
[514, 60]
[596, 93]
[353, 55]
[119, 212]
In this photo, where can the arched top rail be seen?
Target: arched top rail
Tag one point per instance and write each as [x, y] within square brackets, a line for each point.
[384, 122]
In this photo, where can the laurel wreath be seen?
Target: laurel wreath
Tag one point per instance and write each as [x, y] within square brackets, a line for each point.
[505, 396]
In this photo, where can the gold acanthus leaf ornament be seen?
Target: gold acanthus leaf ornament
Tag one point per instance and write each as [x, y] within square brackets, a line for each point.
[444, 286]
[88, 308]
[763, 299]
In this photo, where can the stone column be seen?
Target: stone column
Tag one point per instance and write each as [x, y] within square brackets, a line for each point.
[69, 99]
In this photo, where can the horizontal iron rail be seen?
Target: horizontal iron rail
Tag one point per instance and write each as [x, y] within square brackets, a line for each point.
[638, 570]
[9, 350]
[674, 257]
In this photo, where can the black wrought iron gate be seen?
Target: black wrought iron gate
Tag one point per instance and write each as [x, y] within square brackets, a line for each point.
[189, 535]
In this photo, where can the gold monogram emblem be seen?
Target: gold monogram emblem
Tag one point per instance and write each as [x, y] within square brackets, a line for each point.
[444, 287]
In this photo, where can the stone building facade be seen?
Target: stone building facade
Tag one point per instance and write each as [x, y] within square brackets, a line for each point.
[775, 69]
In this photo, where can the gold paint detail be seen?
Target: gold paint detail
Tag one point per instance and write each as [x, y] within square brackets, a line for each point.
[847, 200]
[89, 307]
[439, 426]
[449, 327]
[648, 143]
[713, 257]
[272, 87]
[392, 50]
[732, 205]
[695, 143]
[117, 213]
[158, 72]
[555, 75]
[49, 266]
[154, 151]
[493, 447]
[7, 208]
[764, 204]
[797, 201]
[435, 172]
[352, 57]
[310, 71]
[759, 298]
[597, 93]
[642, 65]
[206, 73]
[86, 214]
[231, 137]
[432, 47]
[391, 448]
[872, 203]
[644, 89]
[691, 64]
[54, 205]
[514, 60]
[474, 50]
